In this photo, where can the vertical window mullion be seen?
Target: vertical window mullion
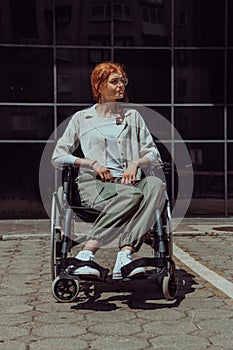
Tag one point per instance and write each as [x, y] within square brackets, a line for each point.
[55, 87]
[225, 111]
[172, 102]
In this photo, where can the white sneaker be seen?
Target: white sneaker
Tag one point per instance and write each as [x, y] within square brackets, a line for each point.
[123, 258]
[86, 271]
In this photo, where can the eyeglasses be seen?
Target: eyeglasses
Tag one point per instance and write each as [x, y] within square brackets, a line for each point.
[117, 81]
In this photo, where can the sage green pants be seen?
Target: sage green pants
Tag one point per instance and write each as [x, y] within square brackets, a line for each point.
[127, 211]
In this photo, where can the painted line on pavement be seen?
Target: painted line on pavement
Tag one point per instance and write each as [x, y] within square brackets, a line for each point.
[13, 236]
[212, 277]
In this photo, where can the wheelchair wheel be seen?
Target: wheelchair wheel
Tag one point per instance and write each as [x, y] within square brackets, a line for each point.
[170, 284]
[65, 290]
[55, 230]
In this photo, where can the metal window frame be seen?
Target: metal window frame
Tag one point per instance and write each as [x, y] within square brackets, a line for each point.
[172, 103]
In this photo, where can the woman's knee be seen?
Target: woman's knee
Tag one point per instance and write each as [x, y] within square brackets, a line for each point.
[135, 195]
[156, 183]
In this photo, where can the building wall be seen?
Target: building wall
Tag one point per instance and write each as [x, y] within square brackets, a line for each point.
[179, 59]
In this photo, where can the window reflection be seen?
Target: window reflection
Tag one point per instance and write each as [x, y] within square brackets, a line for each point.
[83, 22]
[230, 123]
[135, 22]
[22, 123]
[161, 126]
[149, 74]
[26, 22]
[230, 178]
[230, 23]
[199, 23]
[199, 76]
[101, 11]
[229, 76]
[138, 34]
[200, 122]
[22, 198]
[26, 75]
[142, 23]
[99, 54]
[208, 191]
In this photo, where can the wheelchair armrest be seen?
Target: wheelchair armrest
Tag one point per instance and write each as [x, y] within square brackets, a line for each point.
[69, 173]
[66, 175]
[167, 167]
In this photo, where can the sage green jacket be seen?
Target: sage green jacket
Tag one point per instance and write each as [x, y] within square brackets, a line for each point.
[134, 141]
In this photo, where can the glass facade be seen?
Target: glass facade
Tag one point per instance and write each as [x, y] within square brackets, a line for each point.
[179, 58]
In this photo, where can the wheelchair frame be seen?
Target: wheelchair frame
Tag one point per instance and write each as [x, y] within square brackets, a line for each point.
[65, 285]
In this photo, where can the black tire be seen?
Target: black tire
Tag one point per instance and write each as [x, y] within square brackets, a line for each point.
[169, 286]
[65, 290]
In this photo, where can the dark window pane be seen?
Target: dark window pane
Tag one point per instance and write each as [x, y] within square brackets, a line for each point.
[229, 76]
[26, 75]
[230, 178]
[230, 123]
[161, 128]
[79, 23]
[183, 17]
[19, 186]
[208, 166]
[63, 15]
[199, 122]
[27, 22]
[199, 76]
[73, 74]
[98, 55]
[230, 23]
[199, 23]
[145, 24]
[23, 123]
[149, 75]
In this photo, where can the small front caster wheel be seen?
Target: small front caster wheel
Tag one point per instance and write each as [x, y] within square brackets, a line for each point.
[169, 286]
[65, 290]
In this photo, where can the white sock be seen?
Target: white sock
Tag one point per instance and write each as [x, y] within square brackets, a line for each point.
[85, 255]
[126, 253]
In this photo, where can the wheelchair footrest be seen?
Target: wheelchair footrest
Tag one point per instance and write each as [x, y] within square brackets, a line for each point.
[80, 263]
[143, 262]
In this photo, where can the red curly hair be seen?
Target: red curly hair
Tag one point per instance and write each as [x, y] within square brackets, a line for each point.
[101, 73]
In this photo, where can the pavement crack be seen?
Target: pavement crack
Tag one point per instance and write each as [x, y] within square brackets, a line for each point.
[194, 323]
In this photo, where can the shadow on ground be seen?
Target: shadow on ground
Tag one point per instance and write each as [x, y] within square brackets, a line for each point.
[138, 294]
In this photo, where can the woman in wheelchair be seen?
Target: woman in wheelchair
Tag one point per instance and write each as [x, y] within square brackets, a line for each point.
[116, 145]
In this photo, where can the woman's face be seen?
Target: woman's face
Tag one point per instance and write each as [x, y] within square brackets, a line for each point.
[114, 88]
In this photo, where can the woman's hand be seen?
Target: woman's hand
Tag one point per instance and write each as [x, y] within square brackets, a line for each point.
[103, 172]
[129, 175]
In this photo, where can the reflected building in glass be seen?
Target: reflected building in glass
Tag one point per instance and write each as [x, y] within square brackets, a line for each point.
[179, 59]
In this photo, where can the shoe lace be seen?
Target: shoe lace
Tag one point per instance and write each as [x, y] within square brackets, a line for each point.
[128, 257]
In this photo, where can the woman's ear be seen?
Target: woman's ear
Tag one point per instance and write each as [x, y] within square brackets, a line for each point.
[97, 87]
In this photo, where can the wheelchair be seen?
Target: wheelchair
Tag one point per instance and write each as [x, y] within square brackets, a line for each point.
[66, 210]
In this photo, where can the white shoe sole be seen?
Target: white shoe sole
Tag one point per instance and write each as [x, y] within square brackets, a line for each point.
[86, 272]
[138, 272]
